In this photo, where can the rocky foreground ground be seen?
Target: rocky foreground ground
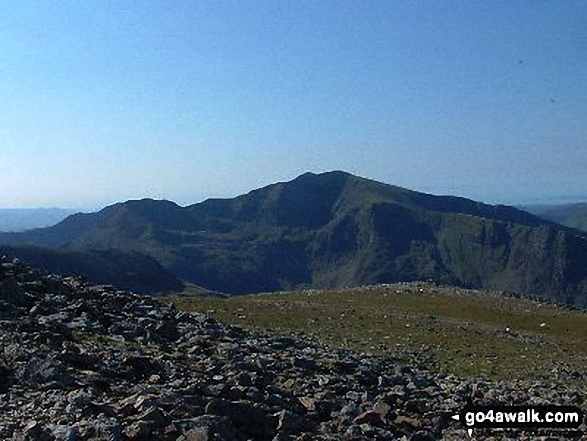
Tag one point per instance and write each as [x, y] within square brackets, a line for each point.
[85, 362]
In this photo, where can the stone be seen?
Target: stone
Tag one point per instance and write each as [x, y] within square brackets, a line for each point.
[154, 415]
[368, 417]
[308, 403]
[407, 421]
[210, 428]
[139, 431]
[12, 293]
[291, 422]
[423, 436]
[65, 433]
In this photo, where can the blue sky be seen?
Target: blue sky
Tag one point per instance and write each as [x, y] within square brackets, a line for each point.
[102, 101]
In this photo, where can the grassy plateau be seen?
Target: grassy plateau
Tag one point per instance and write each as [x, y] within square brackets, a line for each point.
[466, 333]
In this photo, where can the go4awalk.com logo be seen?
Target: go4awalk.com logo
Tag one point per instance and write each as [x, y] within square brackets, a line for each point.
[520, 417]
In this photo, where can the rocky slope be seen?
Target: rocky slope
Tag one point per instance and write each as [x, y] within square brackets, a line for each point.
[89, 362]
[335, 230]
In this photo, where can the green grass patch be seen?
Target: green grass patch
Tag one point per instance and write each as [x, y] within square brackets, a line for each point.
[464, 331]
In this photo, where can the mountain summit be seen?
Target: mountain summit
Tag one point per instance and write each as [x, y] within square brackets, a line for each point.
[336, 229]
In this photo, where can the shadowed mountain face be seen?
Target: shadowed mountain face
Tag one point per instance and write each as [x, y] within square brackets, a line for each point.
[336, 229]
[131, 271]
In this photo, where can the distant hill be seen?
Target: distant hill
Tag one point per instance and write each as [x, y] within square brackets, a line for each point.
[335, 229]
[570, 215]
[127, 271]
[20, 219]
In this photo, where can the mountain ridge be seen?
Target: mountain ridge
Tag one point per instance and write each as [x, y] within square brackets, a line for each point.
[335, 229]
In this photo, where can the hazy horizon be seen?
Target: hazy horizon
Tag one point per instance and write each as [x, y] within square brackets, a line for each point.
[109, 101]
[99, 206]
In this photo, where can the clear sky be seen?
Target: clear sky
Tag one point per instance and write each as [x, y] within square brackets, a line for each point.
[102, 101]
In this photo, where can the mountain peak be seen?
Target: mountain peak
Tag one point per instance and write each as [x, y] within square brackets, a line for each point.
[327, 174]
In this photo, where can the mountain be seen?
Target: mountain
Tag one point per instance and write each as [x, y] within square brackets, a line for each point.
[570, 215]
[20, 219]
[335, 229]
[131, 271]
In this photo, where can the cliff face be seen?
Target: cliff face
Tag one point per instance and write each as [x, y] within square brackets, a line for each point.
[336, 229]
